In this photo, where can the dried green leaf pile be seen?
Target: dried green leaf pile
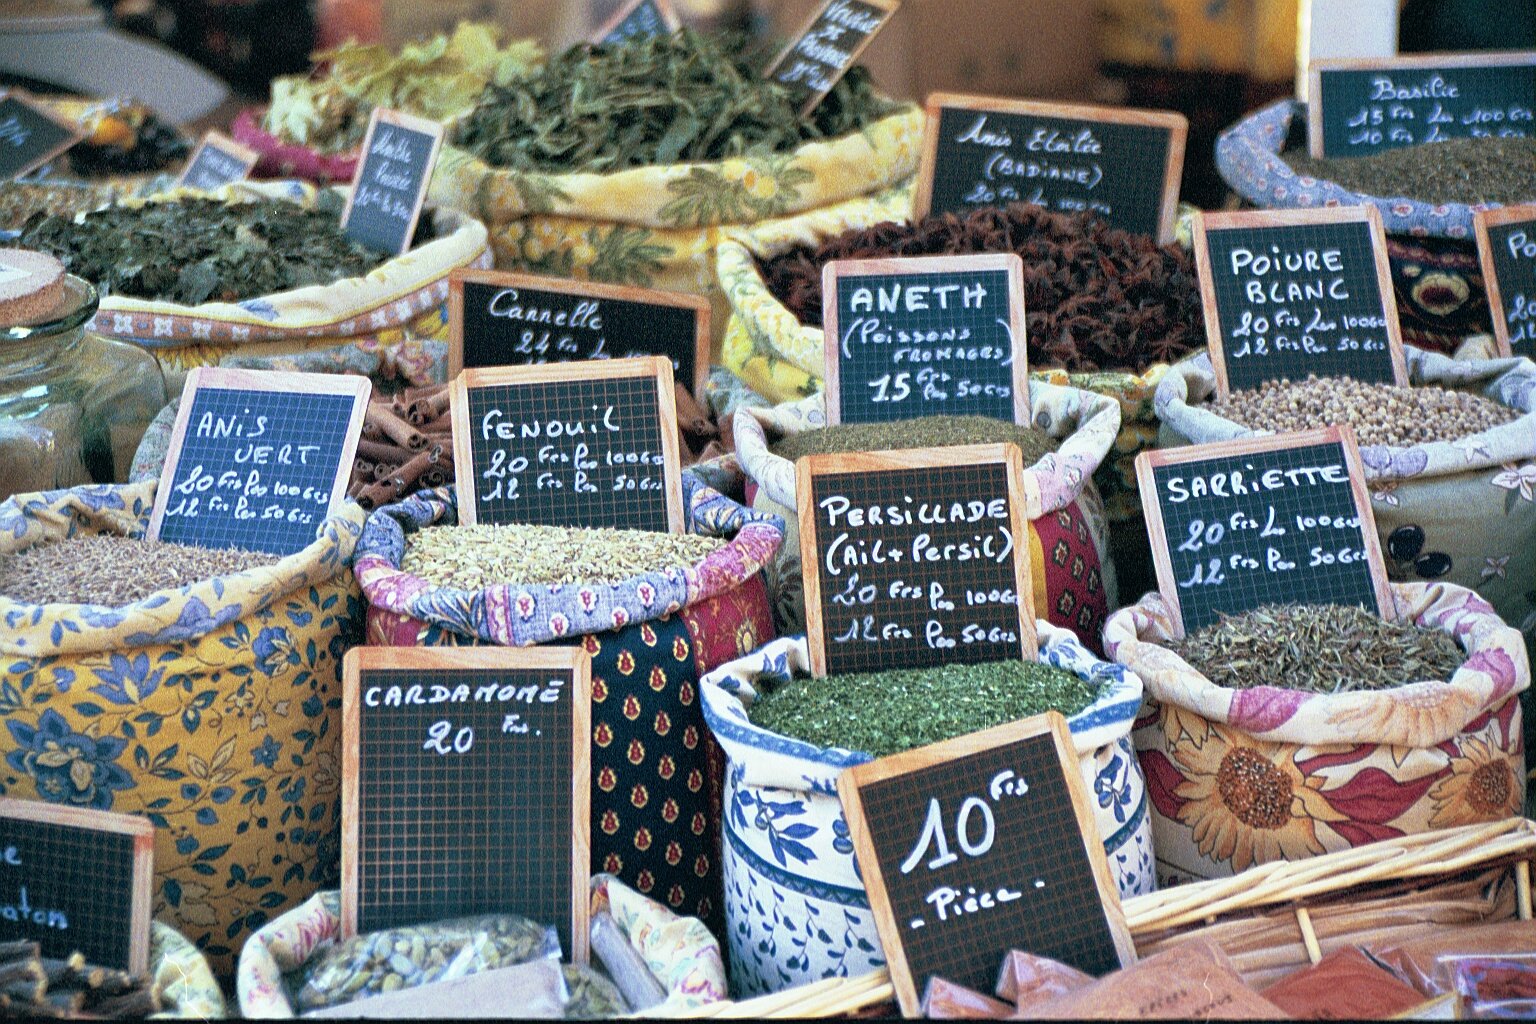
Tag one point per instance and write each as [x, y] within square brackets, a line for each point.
[473, 557]
[1494, 170]
[112, 570]
[921, 432]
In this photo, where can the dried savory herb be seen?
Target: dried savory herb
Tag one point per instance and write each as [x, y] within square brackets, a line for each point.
[1493, 170]
[921, 432]
[1095, 297]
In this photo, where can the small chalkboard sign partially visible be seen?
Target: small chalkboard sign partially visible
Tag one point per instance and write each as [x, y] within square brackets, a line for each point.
[590, 443]
[1506, 247]
[638, 18]
[926, 336]
[258, 459]
[916, 558]
[1278, 519]
[31, 134]
[982, 844]
[1287, 293]
[77, 879]
[1122, 165]
[497, 319]
[465, 787]
[217, 161]
[1358, 106]
[824, 50]
[398, 154]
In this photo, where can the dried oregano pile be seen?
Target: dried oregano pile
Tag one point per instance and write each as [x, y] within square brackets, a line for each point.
[1319, 649]
[1380, 413]
[472, 557]
[922, 432]
[114, 570]
[1493, 170]
[1095, 297]
[884, 713]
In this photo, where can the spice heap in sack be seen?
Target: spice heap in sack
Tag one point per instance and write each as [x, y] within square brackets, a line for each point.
[122, 136]
[70, 987]
[107, 569]
[19, 200]
[921, 432]
[1495, 170]
[472, 557]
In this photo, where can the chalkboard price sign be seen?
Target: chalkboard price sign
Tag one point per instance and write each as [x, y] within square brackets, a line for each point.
[569, 444]
[910, 557]
[258, 459]
[1279, 519]
[391, 180]
[638, 19]
[1122, 165]
[824, 50]
[1292, 292]
[76, 879]
[465, 787]
[30, 134]
[217, 161]
[1366, 105]
[1506, 246]
[926, 336]
[979, 845]
[497, 319]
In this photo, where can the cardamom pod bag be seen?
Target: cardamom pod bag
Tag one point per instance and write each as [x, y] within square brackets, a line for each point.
[214, 710]
[796, 910]
[1245, 777]
[651, 637]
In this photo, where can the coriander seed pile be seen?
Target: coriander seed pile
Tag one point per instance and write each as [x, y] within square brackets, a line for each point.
[921, 432]
[472, 557]
[112, 570]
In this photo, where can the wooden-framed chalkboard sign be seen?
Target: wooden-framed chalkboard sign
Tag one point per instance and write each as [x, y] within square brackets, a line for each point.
[31, 134]
[916, 558]
[466, 787]
[1506, 247]
[258, 459]
[1292, 292]
[218, 160]
[827, 46]
[398, 154]
[1358, 106]
[979, 845]
[1120, 164]
[925, 336]
[638, 18]
[591, 443]
[1278, 519]
[77, 879]
[501, 319]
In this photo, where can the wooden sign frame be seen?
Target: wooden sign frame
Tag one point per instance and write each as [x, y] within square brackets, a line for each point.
[41, 109]
[586, 289]
[849, 782]
[1177, 126]
[1022, 490]
[888, 6]
[1149, 460]
[837, 270]
[231, 379]
[411, 123]
[224, 144]
[1251, 219]
[1482, 220]
[143, 832]
[574, 660]
[669, 18]
[657, 367]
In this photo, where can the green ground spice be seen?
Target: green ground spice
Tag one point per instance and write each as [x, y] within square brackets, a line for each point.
[472, 557]
[1318, 649]
[885, 713]
[113, 570]
[922, 432]
[1455, 171]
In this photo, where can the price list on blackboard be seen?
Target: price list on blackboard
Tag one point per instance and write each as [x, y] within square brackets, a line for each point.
[398, 154]
[638, 19]
[1506, 243]
[827, 46]
[30, 134]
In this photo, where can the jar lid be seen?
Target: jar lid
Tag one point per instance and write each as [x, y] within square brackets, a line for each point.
[31, 287]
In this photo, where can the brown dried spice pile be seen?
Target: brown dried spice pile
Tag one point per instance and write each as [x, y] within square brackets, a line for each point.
[472, 557]
[112, 570]
[1095, 297]
[922, 432]
[1380, 413]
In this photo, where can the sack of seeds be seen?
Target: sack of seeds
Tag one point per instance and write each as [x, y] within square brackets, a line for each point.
[195, 686]
[1071, 432]
[787, 737]
[1296, 730]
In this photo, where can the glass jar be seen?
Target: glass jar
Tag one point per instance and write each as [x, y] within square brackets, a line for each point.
[73, 405]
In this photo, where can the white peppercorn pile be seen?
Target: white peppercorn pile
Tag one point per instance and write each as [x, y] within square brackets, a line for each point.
[1380, 413]
[110, 569]
[472, 557]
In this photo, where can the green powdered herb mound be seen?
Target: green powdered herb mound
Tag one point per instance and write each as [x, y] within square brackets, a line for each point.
[1491, 170]
[656, 100]
[202, 250]
[1318, 649]
[922, 432]
[884, 713]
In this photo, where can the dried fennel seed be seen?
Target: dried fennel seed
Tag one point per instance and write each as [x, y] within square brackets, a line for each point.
[114, 570]
[921, 432]
[1318, 649]
[472, 557]
[884, 713]
[1380, 413]
[1492, 170]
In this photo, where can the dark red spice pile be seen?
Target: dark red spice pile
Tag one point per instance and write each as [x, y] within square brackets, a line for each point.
[1096, 298]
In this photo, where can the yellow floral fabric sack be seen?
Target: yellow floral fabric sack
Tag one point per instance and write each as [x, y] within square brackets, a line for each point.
[1244, 777]
[214, 710]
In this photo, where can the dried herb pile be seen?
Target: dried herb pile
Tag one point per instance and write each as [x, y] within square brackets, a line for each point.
[884, 713]
[654, 100]
[472, 557]
[1494, 170]
[201, 250]
[922, 432]
[1096, 298]
[113, 570]
[1318, 649]
[20, 200]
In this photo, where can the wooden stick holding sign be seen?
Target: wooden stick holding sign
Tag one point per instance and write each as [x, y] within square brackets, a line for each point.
[1506, 248]
[638, 18]
[218, 160]
[398, 154]
[31, 133]
[925, 336]
[978, 845]
[823, 51]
